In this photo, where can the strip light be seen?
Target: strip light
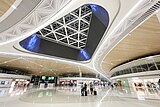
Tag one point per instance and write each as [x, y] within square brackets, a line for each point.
[68, 61]
[103, 43]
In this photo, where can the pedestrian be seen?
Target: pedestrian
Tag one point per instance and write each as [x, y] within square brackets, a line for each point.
[85, 89]
[159, 83]
[82, 89]
[91, 88]
[112, 86]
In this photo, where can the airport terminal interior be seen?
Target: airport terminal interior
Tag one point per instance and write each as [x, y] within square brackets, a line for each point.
[79, 53]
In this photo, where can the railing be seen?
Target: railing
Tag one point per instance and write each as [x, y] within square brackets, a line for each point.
[141, 65]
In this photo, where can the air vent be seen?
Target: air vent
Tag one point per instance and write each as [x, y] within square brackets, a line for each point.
[150, 11]
[118, 70]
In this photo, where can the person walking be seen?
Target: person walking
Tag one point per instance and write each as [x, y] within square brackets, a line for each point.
[85, 89]
[112, 86]
[159, 83]
[91, 88]
[82, 90]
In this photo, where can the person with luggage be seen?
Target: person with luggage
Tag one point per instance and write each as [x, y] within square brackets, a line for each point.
[82, 90]
[95, 91]
[158, 84]
[91, 88]
[85, 89]
[112, 86]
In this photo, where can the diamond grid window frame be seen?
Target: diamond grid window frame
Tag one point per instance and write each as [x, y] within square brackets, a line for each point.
[70, 30]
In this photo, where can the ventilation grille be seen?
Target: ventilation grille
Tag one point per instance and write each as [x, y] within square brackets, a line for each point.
[151, 10]
[70, 30]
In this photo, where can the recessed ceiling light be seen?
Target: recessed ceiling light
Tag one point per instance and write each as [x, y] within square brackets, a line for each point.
[14, 7]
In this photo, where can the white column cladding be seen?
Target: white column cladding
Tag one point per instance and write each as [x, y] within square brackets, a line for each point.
[58, 80]
[80, 74]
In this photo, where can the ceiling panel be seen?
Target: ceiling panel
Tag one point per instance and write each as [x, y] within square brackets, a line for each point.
[5, 5]
[143, 41]
[40, 66]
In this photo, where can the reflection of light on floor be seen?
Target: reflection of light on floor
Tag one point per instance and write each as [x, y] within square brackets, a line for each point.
[99, 103]
[11, 90]
[2, 92]
[140, 93]
[141, 97]
[40, 94]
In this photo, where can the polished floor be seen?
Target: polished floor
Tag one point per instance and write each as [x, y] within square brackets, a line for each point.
[70, 97]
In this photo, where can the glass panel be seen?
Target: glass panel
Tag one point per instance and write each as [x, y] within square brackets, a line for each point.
[144, 67]
[158, 65]
[139, 69]
[152, 66]
[134, 69]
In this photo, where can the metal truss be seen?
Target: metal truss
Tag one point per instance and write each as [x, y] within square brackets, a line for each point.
[70, 30]
[37, 17]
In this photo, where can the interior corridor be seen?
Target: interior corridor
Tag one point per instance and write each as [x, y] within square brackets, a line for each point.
[70, 96]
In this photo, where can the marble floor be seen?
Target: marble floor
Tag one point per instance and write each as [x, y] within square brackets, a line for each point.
[70, 97]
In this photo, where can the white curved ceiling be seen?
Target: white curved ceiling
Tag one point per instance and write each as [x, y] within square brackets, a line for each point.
[18, 10]
[5, 5]
[122, 14]
[141, 42]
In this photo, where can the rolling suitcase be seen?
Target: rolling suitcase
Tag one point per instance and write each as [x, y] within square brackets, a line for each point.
[85, 92]
[82, 94]
[95, 92]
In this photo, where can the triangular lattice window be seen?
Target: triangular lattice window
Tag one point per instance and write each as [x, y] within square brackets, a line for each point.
[71, 30]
